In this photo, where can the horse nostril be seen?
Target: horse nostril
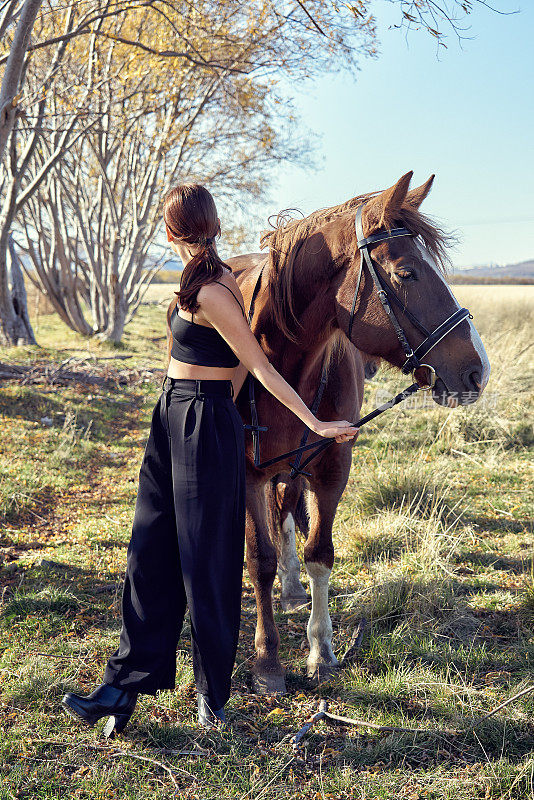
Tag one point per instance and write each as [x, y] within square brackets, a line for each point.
[473, 380]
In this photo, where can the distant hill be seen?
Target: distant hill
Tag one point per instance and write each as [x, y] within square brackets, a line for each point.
[525, 269]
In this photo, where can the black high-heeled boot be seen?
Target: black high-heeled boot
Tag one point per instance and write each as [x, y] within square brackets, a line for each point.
[105, 701]
[207, 716]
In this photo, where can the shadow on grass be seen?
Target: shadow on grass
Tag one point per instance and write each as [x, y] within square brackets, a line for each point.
[486, 523]
[462, 740]
[108, 416]
[506, 656]
[32, 589]
[455, 736]
[113, 543]
[497, 561]
[471, 745]
[40, 508]
[21, 512]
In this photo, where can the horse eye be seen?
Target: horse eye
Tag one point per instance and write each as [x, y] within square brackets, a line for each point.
[407, 274]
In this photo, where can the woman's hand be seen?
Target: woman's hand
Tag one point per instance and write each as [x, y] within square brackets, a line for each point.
[340, 430]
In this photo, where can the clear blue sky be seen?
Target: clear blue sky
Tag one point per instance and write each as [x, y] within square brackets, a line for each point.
[468, 117]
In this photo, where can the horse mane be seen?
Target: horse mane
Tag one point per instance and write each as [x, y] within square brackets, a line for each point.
[288, 235]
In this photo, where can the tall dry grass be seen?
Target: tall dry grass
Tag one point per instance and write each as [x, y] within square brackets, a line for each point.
[403, 525]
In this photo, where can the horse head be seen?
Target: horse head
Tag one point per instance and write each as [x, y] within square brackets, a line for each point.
[404, 272]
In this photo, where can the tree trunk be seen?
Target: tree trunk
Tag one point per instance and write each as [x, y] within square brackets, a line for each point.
[15, 326]
[118, 310]
[13, 70]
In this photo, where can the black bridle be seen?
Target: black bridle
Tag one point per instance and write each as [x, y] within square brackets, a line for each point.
[388, 298]
[412, 362]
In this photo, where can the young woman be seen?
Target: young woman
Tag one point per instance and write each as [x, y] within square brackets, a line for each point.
[188, 532]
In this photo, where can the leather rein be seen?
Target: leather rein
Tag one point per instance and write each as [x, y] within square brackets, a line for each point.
[412, 362]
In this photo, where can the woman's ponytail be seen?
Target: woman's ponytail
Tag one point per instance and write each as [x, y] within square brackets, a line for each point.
[204, 267]
[191, 216]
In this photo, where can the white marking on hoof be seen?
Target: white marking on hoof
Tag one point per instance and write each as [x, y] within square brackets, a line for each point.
[322, 672]
[319, 625]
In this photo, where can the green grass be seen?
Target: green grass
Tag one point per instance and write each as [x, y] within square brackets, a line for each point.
[434, 546]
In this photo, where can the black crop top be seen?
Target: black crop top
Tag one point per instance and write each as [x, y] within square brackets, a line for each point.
[200, 345]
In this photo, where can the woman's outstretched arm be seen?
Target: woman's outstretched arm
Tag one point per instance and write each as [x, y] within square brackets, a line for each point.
[221, 311]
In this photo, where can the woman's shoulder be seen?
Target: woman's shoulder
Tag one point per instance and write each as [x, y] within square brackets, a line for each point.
[226, 280]
[214, 291]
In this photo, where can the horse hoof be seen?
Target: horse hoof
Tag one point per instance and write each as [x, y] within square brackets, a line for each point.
[319, 673]
[269, 684]
[294, 602]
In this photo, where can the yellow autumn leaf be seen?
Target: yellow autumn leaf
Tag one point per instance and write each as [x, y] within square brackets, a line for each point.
[276, 712]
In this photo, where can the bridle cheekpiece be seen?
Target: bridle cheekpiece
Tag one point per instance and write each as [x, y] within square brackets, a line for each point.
[387, 298]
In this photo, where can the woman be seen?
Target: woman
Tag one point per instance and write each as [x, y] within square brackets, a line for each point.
[188, 532]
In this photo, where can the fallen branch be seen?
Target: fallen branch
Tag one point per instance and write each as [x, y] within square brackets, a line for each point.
[49, 374]
[375, 726]
[57, 374]
[92, 357]
[327, 716]
[355, 643]
[506, 703]
[295, 740]
[323, 713]
[52, 655]
[160, 764]
[197, 751]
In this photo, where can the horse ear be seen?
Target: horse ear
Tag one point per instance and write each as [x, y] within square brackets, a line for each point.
[382, 208]
[416, 196]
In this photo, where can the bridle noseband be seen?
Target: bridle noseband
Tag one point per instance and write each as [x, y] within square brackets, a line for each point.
[388, 298]
[412, 357]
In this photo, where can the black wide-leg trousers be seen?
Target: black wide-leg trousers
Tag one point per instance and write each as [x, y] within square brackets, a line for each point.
[187, 544]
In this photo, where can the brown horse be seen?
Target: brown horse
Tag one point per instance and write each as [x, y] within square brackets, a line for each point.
[301, 318]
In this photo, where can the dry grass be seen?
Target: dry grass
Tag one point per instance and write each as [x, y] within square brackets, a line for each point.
[434, 545]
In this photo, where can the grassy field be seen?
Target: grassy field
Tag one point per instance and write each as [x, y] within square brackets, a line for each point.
[434, 545]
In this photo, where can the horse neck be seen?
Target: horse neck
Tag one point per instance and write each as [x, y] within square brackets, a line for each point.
[286, 355]
[314, 302]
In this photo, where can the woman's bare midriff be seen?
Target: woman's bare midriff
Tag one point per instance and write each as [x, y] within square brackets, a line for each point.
[179, 369]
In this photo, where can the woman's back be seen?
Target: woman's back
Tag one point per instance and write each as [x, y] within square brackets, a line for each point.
[198, 344]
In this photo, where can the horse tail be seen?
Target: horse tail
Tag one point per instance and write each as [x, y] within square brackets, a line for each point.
[274, 510]
[302, 518]
[288, 497]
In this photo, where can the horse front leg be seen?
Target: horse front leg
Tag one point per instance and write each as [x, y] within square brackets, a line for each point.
[267, 672]
[319, 558]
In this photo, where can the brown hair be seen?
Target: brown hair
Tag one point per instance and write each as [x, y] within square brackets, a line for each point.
[191, 216]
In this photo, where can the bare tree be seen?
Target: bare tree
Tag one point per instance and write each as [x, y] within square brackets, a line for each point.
[239, 49]
[221, 41]
[89, 228]
[18, 183]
